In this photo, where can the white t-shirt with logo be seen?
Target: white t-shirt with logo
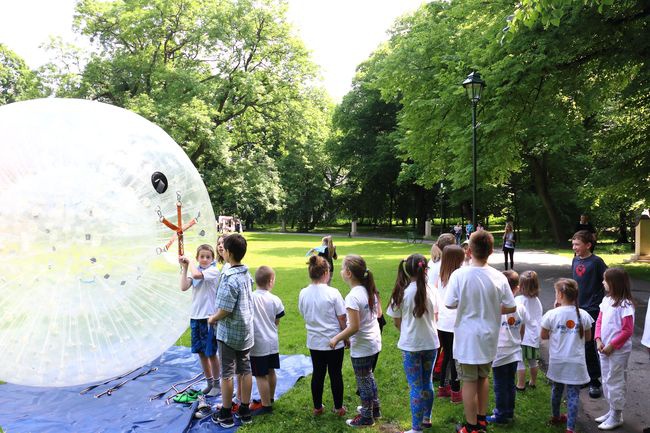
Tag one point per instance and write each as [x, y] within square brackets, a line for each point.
[478, 293]
[533, 327]
[612, 321]
[566, 349]
[367, 340]
[446, 316]
[509, 344]
[267, 308]
[416, 333]
[204, 293]
[320, 306]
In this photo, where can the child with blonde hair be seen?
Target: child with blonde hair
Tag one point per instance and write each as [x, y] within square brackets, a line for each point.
[567, 327]
[529, 298]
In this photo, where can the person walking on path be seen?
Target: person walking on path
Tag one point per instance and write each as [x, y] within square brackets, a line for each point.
[508, 248]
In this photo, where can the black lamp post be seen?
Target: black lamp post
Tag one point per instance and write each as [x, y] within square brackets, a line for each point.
[474, 87]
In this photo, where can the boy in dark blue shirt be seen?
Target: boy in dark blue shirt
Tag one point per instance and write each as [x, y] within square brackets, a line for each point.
[588, 270]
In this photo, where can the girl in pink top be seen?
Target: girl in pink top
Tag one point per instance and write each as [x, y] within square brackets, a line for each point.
[614, 328]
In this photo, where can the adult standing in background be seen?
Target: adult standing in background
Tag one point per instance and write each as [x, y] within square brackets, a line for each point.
[469, 228]
[509, 241]
[458, 232]
[329, 254]
[585, 224]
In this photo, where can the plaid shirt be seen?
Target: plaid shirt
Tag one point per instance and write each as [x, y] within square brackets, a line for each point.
[235, 294]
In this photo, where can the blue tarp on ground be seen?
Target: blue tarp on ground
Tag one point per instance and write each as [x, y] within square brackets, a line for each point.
[25, 409]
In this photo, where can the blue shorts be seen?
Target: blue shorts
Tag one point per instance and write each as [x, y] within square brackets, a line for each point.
[203, 337]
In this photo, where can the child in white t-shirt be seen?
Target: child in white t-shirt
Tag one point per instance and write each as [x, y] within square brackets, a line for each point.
[363, 331]
[481, 294]
[614, 329]
[529, 298]
[436, 256]
[203, 281]
[504, 366]
[265, 353]
[452, 259]
[567, 327]
[323, 309]
[413, 307]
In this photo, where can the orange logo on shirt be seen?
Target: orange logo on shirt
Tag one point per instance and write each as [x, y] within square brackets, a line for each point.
[570, 324]
[511, 321]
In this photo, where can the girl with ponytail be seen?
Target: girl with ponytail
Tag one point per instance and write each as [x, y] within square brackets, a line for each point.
[363, 309]
[568, 327]
[413, 306]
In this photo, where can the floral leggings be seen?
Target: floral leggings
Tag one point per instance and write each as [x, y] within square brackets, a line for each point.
[573, 401]
[366, 384]
[418, 367]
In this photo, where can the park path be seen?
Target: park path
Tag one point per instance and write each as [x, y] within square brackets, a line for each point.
[549, 268]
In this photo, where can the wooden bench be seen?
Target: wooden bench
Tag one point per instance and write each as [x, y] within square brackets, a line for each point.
[414, 237]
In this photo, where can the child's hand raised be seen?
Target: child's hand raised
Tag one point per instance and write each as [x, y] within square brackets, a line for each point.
[184, 261]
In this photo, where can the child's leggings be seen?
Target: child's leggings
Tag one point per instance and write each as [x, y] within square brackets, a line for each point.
[366, 384]
[447, 342]
[325, 361]
[573, 402]
[418, 367]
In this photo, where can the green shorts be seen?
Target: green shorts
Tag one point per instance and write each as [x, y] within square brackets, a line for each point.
[529, 352]
[472, 372]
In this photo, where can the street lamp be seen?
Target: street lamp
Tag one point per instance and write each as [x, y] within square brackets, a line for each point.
[474, 87]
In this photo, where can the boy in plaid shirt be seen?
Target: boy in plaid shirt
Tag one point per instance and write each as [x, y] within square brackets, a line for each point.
[234, 318]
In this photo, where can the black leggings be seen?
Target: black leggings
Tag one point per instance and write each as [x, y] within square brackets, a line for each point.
[508, 252]
[327, 361]
[447, 342]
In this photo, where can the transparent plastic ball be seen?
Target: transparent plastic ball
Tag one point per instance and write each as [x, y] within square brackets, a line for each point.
[89, 275]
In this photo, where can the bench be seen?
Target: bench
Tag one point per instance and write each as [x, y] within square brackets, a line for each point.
[414, 237]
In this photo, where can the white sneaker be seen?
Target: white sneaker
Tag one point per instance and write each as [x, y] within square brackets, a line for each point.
[602, 418]
[611, 423]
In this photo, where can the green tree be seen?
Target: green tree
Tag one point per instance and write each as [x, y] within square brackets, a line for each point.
[17, 81]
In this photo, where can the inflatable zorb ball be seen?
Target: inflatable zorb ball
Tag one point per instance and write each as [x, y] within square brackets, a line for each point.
[89, 276]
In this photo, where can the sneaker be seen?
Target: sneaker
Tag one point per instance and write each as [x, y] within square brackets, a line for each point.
[426, 423]
[376, 412]
[611, 423]
[494, 419]
[602, 418]
[244, 414]
[444, 391]
[320, 411]
[203, 412]
[557, 420]
[255, 405]
[460, 428]
[359, 421]
[482, 423]
[340, 411]
[595, 391]
[457, 397]
[223, 418]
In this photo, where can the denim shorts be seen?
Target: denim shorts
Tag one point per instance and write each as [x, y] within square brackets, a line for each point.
[203, 337]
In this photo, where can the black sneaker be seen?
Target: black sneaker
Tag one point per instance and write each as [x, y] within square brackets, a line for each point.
[223, 418]
[244, 414]
[595, 391]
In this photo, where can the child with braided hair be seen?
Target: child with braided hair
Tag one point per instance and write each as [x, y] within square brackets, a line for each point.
[567, 327]
[365, 338]
[412, 307]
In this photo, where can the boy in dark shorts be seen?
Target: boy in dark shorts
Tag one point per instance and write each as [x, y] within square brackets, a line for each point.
[265, 357]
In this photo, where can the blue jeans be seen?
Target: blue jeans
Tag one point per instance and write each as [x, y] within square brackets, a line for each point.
[504, 390]
[418, 367]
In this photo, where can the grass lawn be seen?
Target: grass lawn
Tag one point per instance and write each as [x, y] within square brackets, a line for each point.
[286, 254]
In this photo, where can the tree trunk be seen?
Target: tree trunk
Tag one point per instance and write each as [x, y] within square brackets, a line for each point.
[622, 226]
[541, 179]
[420, 208]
